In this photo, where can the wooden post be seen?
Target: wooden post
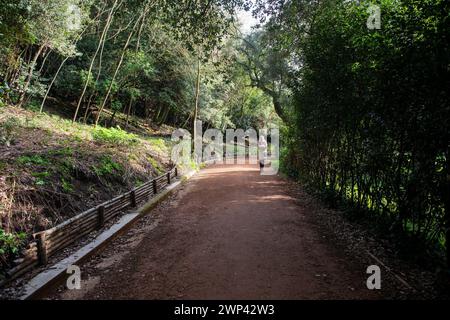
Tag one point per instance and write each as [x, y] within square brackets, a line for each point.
[155, 187]
[168, 178]
[42, 248]
[176, 171]
[133, 198]
[101, 216]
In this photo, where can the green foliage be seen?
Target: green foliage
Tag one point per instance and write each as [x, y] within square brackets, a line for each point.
[107, 166]
[155, 165]
[8, 129]
[86, 78]
[10, 244]
[66, 185]
[65, 152]
[116, 106]
[40, 177]
[4, 90]
[372, 109]
[33, 160]
[158, 144]
[32, 106]
[193, 165]
[267, 66]
[115, 136]
[156, 77]
[201, 24]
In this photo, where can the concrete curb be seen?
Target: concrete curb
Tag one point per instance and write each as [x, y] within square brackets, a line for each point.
[44, 280]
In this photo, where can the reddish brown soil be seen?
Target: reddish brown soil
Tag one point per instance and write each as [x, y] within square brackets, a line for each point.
[229, 233]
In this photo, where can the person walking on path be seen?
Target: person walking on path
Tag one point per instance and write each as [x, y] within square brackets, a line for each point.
[262, 146]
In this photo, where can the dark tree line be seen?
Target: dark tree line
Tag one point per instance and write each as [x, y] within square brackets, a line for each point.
[372, 112]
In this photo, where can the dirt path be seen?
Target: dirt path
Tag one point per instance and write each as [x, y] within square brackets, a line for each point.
[229, 233]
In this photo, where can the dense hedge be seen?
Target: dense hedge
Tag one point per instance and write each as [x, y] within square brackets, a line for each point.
[373, 112]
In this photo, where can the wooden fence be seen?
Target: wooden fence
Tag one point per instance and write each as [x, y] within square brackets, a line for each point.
[48, 242]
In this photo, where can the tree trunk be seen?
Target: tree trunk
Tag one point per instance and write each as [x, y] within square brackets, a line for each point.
[128, 112]
[30, 74]
[119, 64]
[51, 84]
[111, 120]
[61, 65]
[46, 55]
[103, 36]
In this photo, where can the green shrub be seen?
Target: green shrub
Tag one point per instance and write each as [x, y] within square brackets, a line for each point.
[158, 144]
[33, 159]
[8, 131]
[155, 165]
[107, 166]
[194, 165]
[40, 177]
[10, 244]
[115, 136]
[4, 90]
[66, 185]
[33, 106]
[63, 152]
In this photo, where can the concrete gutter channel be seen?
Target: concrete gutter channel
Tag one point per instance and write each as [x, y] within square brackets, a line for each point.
[55, 274]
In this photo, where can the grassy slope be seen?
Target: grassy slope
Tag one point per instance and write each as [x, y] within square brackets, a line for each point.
[54, 169]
